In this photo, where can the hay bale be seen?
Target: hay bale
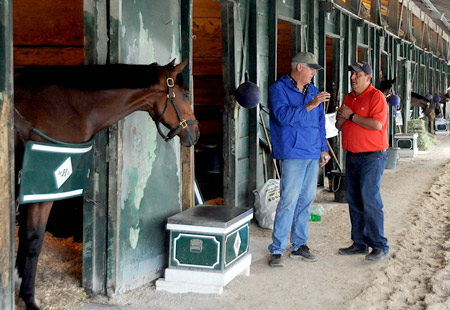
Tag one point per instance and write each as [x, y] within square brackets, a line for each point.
[425, 141]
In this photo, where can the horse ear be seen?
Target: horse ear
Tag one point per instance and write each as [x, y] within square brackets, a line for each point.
[172, 63]
[180, 67]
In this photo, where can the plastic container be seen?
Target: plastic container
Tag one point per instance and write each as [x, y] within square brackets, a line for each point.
[392, 156]
[316, 213]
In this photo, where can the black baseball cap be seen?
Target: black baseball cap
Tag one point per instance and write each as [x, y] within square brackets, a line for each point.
[361, 66]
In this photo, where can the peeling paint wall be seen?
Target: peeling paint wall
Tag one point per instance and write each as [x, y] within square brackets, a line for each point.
[143, 32]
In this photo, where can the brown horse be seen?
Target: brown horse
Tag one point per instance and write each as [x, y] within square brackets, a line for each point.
[73, 103]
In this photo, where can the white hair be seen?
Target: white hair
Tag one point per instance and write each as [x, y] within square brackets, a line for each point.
[294, 65]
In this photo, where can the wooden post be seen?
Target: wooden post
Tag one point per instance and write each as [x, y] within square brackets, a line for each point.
[187, 153]
[7, 206]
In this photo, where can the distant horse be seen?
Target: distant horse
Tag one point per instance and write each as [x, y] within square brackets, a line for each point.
[428, 107]
[73, 103]
[386, 87]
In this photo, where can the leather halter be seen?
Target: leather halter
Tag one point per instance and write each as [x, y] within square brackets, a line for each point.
[171, 99]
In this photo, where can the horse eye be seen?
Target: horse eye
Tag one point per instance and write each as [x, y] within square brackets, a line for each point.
[186, 96]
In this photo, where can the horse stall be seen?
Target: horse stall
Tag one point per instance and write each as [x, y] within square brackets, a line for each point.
[115, 238]
[137, 180]
[44, 43]
[208, 98]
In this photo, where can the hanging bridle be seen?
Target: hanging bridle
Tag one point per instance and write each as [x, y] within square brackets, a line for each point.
[171, 98]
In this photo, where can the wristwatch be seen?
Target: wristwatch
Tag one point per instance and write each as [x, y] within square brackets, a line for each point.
[351, 117]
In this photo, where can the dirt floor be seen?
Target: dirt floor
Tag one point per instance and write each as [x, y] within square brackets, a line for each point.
[416, 276]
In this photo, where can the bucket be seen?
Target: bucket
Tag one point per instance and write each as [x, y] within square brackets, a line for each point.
[392, 157]
[338, 185]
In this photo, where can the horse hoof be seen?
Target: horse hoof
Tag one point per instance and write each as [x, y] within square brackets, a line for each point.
[31, 304]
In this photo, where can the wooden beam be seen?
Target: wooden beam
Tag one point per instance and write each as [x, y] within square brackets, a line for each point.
[187, 153]
[230, 108]
[393, 15]
[7, 203]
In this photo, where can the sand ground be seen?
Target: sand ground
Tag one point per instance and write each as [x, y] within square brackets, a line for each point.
[416, 276]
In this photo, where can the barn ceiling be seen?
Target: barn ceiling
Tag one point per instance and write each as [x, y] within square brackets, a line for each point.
[439, 10]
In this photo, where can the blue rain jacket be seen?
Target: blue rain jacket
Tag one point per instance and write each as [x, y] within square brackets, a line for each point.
[295, 132]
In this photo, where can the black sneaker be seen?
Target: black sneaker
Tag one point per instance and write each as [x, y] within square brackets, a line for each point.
[276, 260]
[303, 253]
[353, 250]
[377, 255]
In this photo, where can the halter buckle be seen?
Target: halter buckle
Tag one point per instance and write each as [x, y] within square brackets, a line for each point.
[173, 95]
[170, 82]
[183, 124]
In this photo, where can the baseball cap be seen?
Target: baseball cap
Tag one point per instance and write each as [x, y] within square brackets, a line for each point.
[307, 58]
[361, 66]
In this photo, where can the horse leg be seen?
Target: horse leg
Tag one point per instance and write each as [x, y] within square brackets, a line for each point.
[31, 236]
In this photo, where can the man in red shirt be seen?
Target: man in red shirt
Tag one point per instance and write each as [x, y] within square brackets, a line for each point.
[363, 119]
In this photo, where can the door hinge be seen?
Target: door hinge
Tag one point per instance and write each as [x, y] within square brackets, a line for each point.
[107, 153]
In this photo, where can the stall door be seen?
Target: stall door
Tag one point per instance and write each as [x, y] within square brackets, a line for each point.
[145, 171]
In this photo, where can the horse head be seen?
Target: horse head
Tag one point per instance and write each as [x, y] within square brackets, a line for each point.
[386, 86]
[173, 108]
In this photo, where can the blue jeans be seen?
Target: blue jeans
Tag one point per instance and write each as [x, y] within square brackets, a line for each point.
[363, 180]
[298, 186]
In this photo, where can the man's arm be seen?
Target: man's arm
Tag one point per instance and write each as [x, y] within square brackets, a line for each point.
[344, 113]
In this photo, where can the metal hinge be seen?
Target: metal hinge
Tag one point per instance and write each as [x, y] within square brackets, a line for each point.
[107, 153]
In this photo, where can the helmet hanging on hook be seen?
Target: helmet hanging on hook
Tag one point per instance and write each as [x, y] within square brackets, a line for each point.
[248, 94]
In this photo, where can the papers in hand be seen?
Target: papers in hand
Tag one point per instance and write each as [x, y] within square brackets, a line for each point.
[330, 128]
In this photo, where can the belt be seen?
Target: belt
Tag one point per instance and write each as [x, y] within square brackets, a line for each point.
[366, 153]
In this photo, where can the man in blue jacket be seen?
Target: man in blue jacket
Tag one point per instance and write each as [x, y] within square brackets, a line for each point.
[297, 124]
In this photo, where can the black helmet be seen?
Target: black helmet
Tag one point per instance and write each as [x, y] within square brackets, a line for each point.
[248, 94]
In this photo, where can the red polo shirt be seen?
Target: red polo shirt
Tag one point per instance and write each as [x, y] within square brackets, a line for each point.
[371, 103]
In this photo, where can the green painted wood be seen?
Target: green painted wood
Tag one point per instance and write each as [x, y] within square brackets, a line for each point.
[127, 228]
[95, 220]
[272, 33]
[95, 31]
[253, 114]
[236, 245]
[95, 207]
[286, 8]
[212, 252]
[405, 91]
[7, 208]
[331, 22]
[191, 250]
[320, 79]
[149, 168]
[112, 249]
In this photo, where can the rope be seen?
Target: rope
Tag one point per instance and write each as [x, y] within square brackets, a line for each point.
[243, 62]
[332, 185]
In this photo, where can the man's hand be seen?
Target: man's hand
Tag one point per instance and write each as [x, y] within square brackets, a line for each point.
[324, 158]
[319, 98]
[344, 112]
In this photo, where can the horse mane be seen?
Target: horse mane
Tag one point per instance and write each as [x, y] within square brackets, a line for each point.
[90, 77]
[417, 96]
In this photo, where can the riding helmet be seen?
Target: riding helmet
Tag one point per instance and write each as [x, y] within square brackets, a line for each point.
[248, 94]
